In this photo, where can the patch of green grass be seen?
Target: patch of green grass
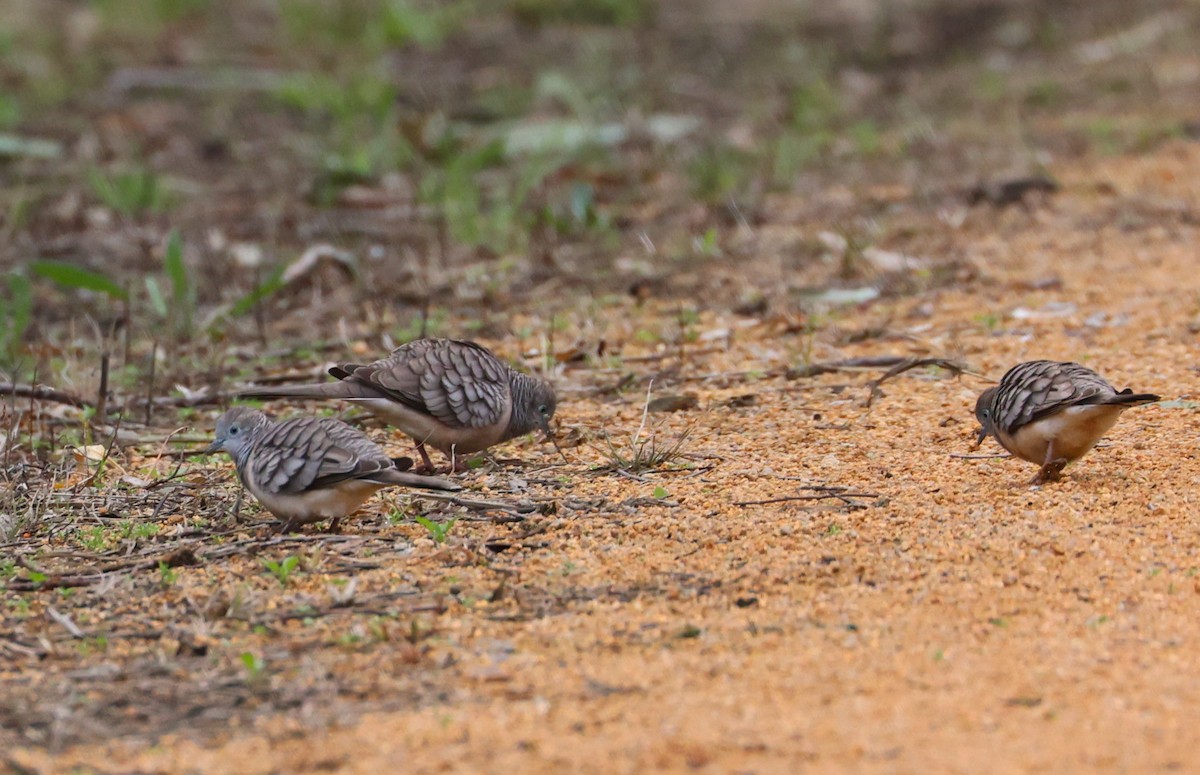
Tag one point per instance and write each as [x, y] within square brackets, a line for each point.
[96, 538]
[10, 110]
[1044, 94]
[131, 193]
[867, 139]
[96, 644]
[991, 85]
[19, 607]
[719, 171]
[364, 28]
[282, 569]
[146, 18]
[497, 216]
[810, 127]
[179, 309]
[355, 118]
[253, 664]
[577, 213]
[1104, 135]
[129, 529]
[397, 515]
[435, 324]
[438, 531]
[613, 13]
[166, 574]
[71, 276]
[646, 451]
[989, 320]
[16, 313]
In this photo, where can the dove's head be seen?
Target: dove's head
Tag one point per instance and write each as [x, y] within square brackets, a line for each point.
[236, 430]
[534, 402]
[545, 402]
[983, 412]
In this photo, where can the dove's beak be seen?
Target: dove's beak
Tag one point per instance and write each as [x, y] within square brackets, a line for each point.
[213, 448]
[979, 437]
[552, 437]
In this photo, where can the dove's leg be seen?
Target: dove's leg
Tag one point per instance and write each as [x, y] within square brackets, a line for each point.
[1051, 468]
[426, 464]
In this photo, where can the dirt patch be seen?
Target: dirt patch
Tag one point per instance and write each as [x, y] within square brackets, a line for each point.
[945, 613]
[750, 555]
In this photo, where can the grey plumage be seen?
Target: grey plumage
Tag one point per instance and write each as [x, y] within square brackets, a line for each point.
[310, 468]
[1052, 413]
[453, 395]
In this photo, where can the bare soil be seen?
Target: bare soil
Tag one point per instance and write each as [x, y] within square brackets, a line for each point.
[941, 616]
[817, 574]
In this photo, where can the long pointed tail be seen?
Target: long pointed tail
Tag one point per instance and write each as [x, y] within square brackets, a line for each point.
[326, 390]
[392, 476]
[1128, 398]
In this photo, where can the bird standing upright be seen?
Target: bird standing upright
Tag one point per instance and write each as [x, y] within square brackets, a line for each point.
[309, 468]
[1051, 413]
[453, 395]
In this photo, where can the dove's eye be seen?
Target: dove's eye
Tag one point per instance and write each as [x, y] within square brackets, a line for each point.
[233, 431]
[542, 409]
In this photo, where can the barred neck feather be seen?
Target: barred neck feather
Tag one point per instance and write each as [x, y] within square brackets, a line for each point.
[533, 404]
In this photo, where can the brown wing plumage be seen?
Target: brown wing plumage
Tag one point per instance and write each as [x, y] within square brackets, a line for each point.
[311, 453]
[461, 384]
[1035, 389]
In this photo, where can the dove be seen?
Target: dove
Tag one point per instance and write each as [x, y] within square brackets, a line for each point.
[1051, 413]
[309, 468]
[449, 394]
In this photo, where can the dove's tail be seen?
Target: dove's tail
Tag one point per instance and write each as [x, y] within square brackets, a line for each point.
[344, 390]
[408, 479]
[1128, 398]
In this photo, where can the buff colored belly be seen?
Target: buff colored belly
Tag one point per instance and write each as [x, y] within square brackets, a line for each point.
[1073, 431]
[429, 430]
[325, 503]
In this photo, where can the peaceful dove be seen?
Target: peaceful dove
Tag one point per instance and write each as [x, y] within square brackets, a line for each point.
[452, 395]
[309, 468]
[1051, 413]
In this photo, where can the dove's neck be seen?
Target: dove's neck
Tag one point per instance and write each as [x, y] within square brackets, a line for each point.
[241, 453]
[524, 416]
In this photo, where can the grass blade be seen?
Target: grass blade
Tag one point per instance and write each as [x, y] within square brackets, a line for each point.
[71, 276]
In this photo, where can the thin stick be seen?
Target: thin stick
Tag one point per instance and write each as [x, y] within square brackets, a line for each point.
[150, 379]
[818, 497]
[128, 314]
[66, 622]
[102, 398]
[479, 505]
[260, 312]
[43, 393]
[645, 413]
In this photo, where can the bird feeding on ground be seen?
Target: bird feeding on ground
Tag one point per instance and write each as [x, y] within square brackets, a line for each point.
[1051, 413]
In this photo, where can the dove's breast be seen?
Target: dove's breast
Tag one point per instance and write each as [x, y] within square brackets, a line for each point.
[429, 430]
[1073, 430]
[339, 500]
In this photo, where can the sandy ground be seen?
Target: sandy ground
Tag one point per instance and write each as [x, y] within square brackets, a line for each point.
[959, 621]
